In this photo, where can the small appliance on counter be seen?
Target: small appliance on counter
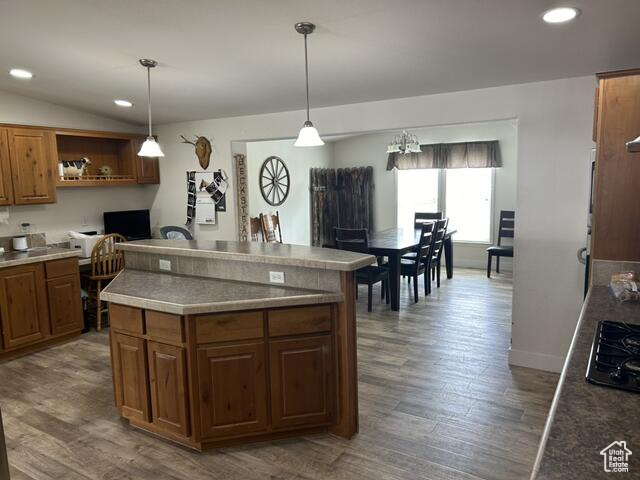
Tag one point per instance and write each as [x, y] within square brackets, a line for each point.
[19, 244]
[83, 242]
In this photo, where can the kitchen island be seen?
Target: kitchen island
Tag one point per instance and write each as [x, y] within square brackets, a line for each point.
[219, 343]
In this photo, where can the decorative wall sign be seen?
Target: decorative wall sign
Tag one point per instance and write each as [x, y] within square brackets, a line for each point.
[203, 149]
[243, 197]
[274, 181]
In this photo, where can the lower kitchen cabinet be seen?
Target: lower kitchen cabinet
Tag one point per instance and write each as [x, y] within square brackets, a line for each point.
[23, 305]
[130, 378]
[233, 390]
[65, 307]
[302, 381]
[169, 389]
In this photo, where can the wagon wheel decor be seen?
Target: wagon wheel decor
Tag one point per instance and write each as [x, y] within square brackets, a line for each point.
[274, 181]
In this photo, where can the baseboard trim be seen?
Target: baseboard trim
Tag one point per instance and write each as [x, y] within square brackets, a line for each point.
[539, 361]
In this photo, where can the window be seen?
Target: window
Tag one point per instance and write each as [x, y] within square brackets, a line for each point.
[463, 194]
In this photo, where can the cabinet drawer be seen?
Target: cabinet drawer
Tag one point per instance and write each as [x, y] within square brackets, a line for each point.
[60, 268]
[295, 321]
[126, 319]
[164, 326]
[232, 326]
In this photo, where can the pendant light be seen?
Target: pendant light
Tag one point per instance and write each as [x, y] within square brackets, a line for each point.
[634, 145]
[308, 136]
[150, 147]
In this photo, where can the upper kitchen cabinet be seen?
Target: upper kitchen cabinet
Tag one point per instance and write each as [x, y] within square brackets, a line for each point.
[147, 168]
[6, 189]
[31, 159]
[616, 212]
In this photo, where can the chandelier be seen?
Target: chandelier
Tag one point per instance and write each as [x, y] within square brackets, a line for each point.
[404, 143]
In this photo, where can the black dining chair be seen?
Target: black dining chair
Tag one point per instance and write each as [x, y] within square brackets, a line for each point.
[440, 232]
[421, 262]
[422, 217]
[171, 232]
[357, 240]
[506, 229]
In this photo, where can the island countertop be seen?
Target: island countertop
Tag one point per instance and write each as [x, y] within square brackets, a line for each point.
[587, 418]
[257, 252]
[182, 295]
[13, 258]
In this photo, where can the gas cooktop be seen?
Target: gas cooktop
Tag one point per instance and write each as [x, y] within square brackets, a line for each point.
[615, 356]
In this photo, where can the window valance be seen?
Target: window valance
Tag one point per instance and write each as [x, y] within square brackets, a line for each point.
[482, 154]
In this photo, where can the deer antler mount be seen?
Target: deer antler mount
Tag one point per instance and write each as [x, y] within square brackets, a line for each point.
[203, 149]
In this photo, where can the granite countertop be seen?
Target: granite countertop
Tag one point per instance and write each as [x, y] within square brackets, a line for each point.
[272, 253]
[586, 418]
[40, 254]
[182, 295]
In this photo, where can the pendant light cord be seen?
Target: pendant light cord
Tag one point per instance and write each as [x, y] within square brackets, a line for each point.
[306, 72]
[149, 95]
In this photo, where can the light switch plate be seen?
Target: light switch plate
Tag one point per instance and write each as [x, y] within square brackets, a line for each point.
[165, 264]
[276, 277]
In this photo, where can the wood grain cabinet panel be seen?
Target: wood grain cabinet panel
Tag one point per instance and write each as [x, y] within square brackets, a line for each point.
[23, 305]
[300, 320]
[233, 395]
[130, 378]
[302, 381]
[147, 168]
[6, 188]
[169, 391]
[32, 154]
[65, 304]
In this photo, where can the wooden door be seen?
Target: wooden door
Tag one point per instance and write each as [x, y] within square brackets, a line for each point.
[6, 189]
[65, 304]
[232, 389]
[302, 381]
[23, 305]
[147, 168]
[32, 154]
[169, 391]
[130, 378]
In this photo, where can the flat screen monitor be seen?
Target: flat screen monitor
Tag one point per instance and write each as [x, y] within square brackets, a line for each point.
[132, 224]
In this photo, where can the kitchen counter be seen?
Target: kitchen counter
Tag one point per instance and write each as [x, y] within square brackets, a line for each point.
[12, 259]
[183, 295]
[586, 418]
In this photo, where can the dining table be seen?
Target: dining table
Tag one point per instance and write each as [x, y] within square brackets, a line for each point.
[395, 242]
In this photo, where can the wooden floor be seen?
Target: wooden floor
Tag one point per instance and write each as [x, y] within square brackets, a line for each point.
[437, 401]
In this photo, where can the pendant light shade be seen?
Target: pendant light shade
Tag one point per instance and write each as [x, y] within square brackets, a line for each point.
[308, 136]
[150, 147]
[634, 145]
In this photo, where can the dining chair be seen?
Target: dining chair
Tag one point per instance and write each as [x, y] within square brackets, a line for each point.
[357, 240]
[420, 264]
[255, 227]
[440, 232]
[106, 263]
[421, 217]
[172, 232]
[506, 229]
[271, 231]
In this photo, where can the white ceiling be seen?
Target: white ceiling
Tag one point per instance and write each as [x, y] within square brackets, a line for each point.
[223, 58]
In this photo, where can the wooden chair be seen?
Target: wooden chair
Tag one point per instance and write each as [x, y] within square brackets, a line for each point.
[357, 240]
[506, 229]
[420, 263]
[106, 263]
[440, 232]
[172, 232]
[271, 231]
[421, 217]
[255, 225]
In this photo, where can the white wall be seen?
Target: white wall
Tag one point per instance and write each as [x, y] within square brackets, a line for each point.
[370, 149]
[77, 209]
[295, 212]
[554, 140]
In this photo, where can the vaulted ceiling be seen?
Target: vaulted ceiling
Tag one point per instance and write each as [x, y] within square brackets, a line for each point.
[223, 58]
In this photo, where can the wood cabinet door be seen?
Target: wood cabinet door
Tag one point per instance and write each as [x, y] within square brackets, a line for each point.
[23, 305]
[233, 398]
[130, 378]
[147, 168]
[302, 381]
[169, 391]
[65, 304]
[6, 188]
[32, 154]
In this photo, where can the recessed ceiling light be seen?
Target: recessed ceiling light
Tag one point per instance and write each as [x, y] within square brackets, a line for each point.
[123, 103]
[560, 14]
[20, 73]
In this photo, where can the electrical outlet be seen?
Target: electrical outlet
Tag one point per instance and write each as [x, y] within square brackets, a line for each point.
[276, 277]
[165, 264]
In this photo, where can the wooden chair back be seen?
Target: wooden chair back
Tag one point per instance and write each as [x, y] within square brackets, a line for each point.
[271, 231]
[506, 228]
[421, 217]
[106, 261]
[255, 226]
[423, 252]
[352, 239]
[439, 233]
